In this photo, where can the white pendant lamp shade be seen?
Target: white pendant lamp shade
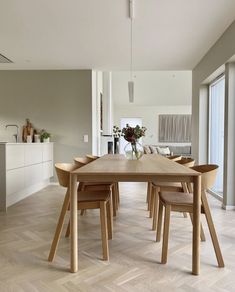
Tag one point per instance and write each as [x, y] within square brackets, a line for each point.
[131, 91]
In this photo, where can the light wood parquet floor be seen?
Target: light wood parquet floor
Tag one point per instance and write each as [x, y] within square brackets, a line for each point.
[26, 232]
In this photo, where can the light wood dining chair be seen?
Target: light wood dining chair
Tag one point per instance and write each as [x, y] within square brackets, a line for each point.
[156, 187]
[80, 161]
[174, 157]
[149, 185]
[95, 199]
[92, 157]
[183, 202]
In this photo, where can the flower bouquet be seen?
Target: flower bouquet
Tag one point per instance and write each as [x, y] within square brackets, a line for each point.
[132, 135]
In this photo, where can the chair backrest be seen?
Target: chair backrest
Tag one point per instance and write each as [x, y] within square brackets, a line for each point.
[189, 162]
[63, 172]
[174, 157]
[92, 157]
[81, 161]
[208, 175]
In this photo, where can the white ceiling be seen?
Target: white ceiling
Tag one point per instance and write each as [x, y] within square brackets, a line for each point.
[85, 34]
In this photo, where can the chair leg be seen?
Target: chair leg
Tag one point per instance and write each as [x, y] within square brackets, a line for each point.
[151, 202]
[156, 207]
[67, 233]
[212, 231]
[110, 218]
[202, 235]
[159, 222]
[83, 212]
[104, 233]
[166, 234]
[118, 194]
[59, 226]
[148, 195]
[185, 189]
[114, 201]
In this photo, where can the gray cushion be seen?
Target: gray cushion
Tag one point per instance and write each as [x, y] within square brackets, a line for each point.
[177, 150]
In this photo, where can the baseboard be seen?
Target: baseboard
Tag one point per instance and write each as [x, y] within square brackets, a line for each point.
[215, 195]
[228, 207]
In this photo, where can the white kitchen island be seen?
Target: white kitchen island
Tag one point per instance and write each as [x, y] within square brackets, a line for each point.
[25, 168]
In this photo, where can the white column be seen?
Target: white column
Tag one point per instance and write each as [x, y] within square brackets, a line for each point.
[203, 124]
[107, 103]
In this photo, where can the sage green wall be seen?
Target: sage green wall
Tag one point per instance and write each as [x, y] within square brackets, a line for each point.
[59, 101]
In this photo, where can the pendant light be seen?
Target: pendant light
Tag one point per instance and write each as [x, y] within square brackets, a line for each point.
[131, 82]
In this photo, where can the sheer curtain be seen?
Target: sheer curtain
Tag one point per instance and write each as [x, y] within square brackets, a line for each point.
[216, 130]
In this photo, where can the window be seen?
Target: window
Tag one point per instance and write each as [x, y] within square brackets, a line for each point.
[216, 129]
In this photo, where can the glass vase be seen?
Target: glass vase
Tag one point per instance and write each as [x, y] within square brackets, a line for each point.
[134, 151]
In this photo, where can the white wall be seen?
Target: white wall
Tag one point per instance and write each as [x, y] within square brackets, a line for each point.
[156, 92]
[149, 115]
[154, 88]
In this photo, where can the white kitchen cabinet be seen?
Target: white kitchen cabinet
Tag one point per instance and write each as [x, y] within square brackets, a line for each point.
[14, 180]
[47, 152]
[25, 168]
[32, 153]
[47, 169]
[14, 156]
[33, 174]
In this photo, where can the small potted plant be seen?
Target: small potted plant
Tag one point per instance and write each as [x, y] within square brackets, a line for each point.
[117, 133]
[45, 136]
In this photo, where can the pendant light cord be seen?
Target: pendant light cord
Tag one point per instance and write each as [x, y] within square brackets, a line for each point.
[131, 50]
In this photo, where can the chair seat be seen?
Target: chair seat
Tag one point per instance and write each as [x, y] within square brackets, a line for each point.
[97, 186]
[97, 183]
[93, 196]
[171, 186]
[175, 198]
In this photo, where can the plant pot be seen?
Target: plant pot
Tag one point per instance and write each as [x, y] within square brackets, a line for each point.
[37, 138]
[116, 145]
[46, 140]
[134, 151]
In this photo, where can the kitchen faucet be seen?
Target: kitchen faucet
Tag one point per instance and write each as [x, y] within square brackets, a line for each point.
[17, 131]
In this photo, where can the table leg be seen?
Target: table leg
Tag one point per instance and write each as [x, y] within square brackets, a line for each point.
[73, 224]
[196, 225]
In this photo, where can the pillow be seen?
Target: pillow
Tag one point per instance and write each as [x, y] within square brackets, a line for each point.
[147, 149]
[153, 149]
[163, 150]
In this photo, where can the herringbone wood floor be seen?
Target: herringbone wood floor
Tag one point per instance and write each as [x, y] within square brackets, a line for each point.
[27, 229]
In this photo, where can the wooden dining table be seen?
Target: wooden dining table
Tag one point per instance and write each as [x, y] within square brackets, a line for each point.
[151, 167]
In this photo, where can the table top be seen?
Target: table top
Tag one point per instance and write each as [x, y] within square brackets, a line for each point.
[118, 168]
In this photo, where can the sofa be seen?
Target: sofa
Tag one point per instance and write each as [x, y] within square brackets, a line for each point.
[183, 150]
